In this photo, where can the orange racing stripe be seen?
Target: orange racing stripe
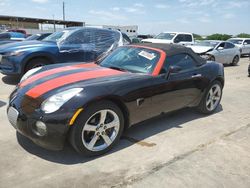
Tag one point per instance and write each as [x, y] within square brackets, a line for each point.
[68, 79]
[54, 71]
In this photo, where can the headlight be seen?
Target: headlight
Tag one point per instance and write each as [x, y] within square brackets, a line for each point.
[54, 102]
[30, 72]
[14, 53]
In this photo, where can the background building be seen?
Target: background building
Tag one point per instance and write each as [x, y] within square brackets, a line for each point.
[35, 25]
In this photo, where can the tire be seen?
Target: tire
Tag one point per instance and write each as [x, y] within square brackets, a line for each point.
[235, 60]
[207, 107]
[211, 58]
[88, 132]
[37, 62]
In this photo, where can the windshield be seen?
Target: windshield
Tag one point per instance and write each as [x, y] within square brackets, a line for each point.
[166, 36]
[56, 36]
[33, 37]
[132, 59]
[236, 41]
[207, 43]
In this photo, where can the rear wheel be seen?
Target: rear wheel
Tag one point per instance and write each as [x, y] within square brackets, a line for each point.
[97, 129]
[211, 99]
[34, 63]
[235, 60]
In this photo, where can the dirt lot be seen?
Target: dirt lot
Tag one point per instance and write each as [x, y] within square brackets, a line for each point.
[184, 149]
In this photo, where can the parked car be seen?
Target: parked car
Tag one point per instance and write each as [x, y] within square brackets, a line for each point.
[220, 51]
[70, 45]
[18, 31]
[10, 37]
[93, 104]
[139, 38]
[171, 38]
[243, 44]
[38, 36]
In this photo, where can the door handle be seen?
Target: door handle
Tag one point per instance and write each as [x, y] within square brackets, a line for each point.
[196, 75]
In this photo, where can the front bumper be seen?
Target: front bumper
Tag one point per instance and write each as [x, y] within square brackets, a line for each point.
[10, 65]
[56, 126]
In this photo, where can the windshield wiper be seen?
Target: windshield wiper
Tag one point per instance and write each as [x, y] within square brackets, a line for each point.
[118, 68]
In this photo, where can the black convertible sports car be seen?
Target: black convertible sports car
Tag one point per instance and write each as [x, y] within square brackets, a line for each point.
[92, 104]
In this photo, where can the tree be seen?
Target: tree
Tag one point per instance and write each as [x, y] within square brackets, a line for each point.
[218, 36]
[243, 35]
[197, 37]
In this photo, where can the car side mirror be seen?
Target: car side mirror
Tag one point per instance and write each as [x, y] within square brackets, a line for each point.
[174, 69]
[220, 48]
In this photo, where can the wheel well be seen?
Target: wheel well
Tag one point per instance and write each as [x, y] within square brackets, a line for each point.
[237, 56]
[124, 110]
[37, 57]
[221, 80]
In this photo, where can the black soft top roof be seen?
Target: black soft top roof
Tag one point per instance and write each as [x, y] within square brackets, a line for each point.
[174, 49]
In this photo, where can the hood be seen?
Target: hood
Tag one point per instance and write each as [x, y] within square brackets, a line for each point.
[25, 45]
[157, 41]
[201, 49]
[75, 75]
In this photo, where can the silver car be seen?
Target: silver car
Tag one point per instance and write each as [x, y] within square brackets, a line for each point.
[243, 44]
[221, 51]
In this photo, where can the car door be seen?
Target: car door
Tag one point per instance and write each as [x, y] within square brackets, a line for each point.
[246, 47]
[178, 89]
[221, 54]
[231, 51]
[179, 38]
[187, 39]
[78, 47]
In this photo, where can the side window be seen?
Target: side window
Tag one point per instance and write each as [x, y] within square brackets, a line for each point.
[229, 45]
[104, 39]
[178, 38]
[247, 42]
[221, 46]
[80, 37]
[188, 38]
[184, 61]
[5, 36]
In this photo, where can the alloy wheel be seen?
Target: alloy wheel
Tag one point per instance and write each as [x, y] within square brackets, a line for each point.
[213, 97]
[100, 130]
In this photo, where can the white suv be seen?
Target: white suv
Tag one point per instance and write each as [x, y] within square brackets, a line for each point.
[243, 44]
[172, 37]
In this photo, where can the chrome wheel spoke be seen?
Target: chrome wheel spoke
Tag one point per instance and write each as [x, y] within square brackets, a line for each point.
[93, 141]
[211, 92]
[212, 104]
[106, 139]
[103, 116]
[208, 102]
[89, 127]
[114, 123]
[217, 89]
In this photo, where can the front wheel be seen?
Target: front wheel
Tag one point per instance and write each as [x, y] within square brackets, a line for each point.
[235, 61]
[36, 62]
[97, 129]
[211, 58]
[211, 98]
